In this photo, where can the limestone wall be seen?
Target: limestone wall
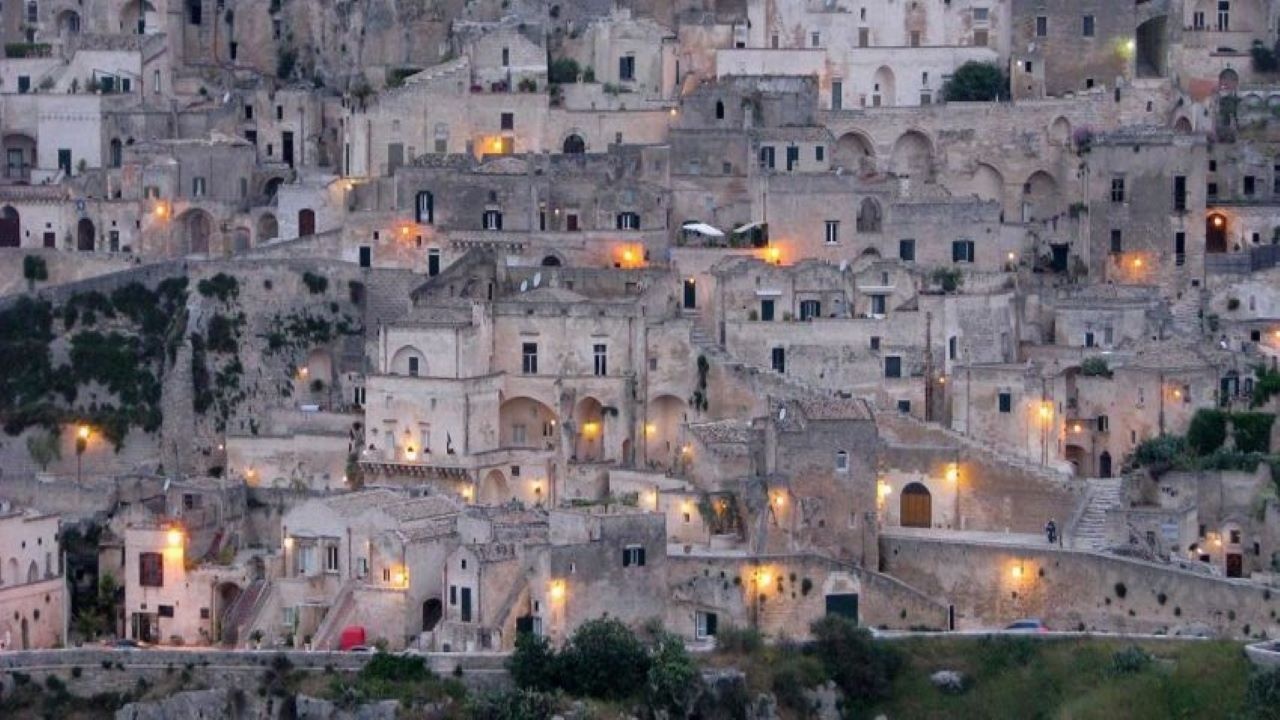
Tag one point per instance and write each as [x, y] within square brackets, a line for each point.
[992, 585]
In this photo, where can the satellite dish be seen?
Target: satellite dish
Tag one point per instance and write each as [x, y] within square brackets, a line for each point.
[782, 413]
[537, 279]
[524, 285]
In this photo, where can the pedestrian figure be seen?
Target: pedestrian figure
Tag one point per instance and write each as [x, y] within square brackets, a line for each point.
[1051, 531]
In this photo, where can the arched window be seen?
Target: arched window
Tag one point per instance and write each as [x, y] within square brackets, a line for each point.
[574, 145]
[869, 219]
[425, 208]
[719, 110]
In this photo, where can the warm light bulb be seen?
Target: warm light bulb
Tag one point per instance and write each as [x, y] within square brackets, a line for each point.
[557, 590]
[83, 432]
[175, 538]
[1017, 571]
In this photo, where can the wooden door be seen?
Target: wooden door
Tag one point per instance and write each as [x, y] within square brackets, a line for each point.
[917, 506]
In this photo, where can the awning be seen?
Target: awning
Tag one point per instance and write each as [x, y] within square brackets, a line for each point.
[748, 227]
[701, 229]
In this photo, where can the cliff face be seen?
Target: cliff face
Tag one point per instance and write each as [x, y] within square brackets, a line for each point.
[239, 705]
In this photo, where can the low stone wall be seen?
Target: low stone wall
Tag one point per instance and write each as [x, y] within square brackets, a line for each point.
[106, 670]
[992, 585]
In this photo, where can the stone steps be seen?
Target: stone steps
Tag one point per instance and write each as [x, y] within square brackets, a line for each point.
[1091, 531]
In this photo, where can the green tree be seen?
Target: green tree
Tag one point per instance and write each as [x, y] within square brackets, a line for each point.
[861, 667]
[673, 678]
[604, 659]
[533, 664]
[34, 269]
[1207, 431]
[45, 447]
[977, 82]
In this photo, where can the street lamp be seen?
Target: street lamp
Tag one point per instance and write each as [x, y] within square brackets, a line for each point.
[82, 443]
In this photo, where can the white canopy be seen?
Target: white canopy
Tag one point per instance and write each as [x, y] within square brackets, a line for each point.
[701, 229]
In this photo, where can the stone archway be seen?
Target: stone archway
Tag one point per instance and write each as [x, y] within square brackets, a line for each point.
[589, 440]
[10, 227]
[306, 222]
[432, 613]
[86, 237]
[196, 227]
[526, 423]
[912, 156]
[494, 489]
[574, 145]
[854, 151]
[1040, 197]
[988, 183]
[916, 506]
[240, 241]
[1104, 464]
[884, 88]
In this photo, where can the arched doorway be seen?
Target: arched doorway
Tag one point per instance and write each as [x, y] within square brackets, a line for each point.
[1060, 131]
[196, 227]
[19, 156]
[272, 188]
[884, 88]
[1151, 48]
[988, 183]
[306, 222]
[85, 236]
[33, 572]
[1078, 458]
[912, 156]
[869, 220]
[68, 22]
[1182, 126]
[526, 423]
[917, 506]
[1104, 464]
[854, 151]
[550, 261]
[1215, 233]
[1040, 197]
[432, 612]
[10, 227]
[240, 241]
[1228, 81]
[574, 145]
[494, 489]
[138, 17]
[268, 228]
[589, 442]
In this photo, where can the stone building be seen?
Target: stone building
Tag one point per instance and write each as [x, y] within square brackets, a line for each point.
[34, 599]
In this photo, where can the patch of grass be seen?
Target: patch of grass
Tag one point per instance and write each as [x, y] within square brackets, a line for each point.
[1070, 678]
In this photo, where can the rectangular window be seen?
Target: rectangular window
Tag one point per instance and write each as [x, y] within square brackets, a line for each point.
[24, 83]
[864, 37]
[413, 366]
[1250, 185]
[519, 434]
[507, 121]
[815, 40]
[601, 356]
[627, 68]
[952, 345]
[1197, 20]
[1180, 249]
[778, 360]
[1117, 242]
[842, 461]
[819, 153]
[875, 342]
[628, 221]
[1117, 190]
[1087, 28]
[833, 232]
[433, 262]
[453, 596]
[492, 220]
[980, 38]
[1006, 402]
[914, 38]
[1042, 26]
[962, 251]
[164, 611]
[766, 310]
[151, 569]
[1179, 193]
[197, 187]
[633, 555]
[331, 558]
[248, 112]
[980, 14]
[529, 358]
[904, 406]
[465, 611]
[506, 57]
[893, 366]
[878, 305]
[766, 158]
[1211, 190]
[907, 250]
[837, 95]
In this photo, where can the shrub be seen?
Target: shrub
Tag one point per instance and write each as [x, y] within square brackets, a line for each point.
[673, 679]
[563, 70]
[1159, 452]
[604, 659]
[1207, 432]
[744, 641]
[222, 335]
[998, 653]
[1262, 698]
[1095, 367]
[976, 82]
[533, 665]
[34, 268]
[793, 673]
[316, 284]
[1252, 431]
[863, 669]
[44, 448]
[222, 286]
[1121, 590]
[519, 704]
[949, 279]
[1130, 661]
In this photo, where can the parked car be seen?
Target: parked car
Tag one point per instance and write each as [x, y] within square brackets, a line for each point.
[125, 644]
[362, 649]
[1029, 625]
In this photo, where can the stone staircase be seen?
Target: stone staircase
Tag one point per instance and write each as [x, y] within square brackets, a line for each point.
[989, 451]
[1186, 313]
[328, 632]
[1090, 532]
[242, 611]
